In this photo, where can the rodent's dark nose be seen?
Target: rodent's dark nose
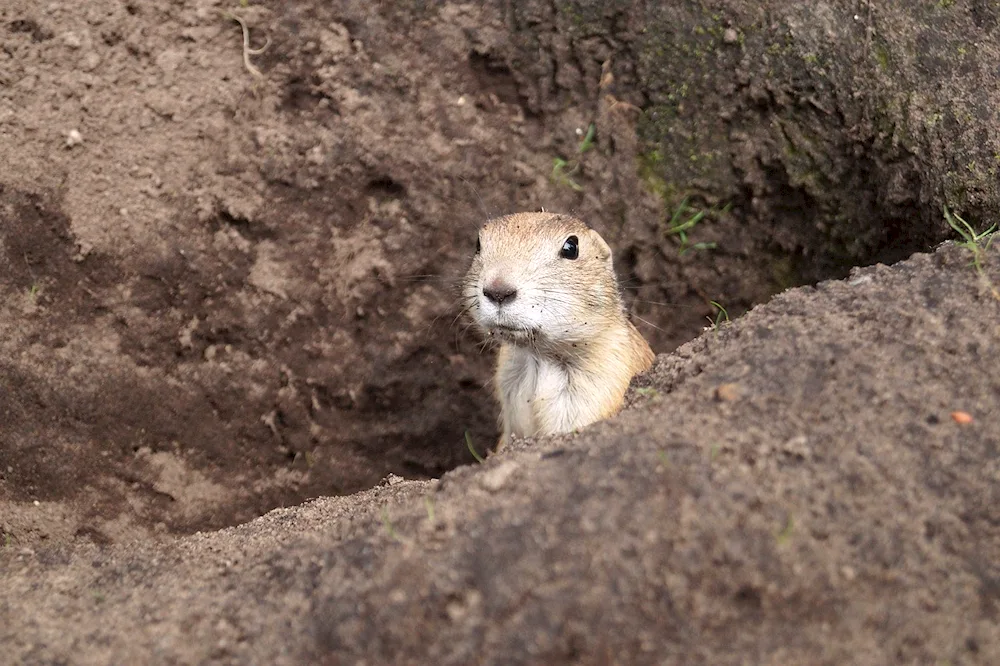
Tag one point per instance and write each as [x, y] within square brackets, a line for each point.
[499, 292]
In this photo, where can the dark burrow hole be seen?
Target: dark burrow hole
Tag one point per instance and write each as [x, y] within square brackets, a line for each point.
[438, 399]
[409, 418]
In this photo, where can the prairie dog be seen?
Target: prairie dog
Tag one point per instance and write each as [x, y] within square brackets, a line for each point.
[545, 287]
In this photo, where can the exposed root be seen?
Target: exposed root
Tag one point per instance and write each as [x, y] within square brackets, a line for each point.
[247, 51]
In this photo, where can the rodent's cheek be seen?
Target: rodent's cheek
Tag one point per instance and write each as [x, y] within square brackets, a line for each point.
[486, 313]
[470, 292]
[525, 312]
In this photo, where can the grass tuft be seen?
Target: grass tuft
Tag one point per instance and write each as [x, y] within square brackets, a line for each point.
[721, 316]
[977, 243]
[472, 449]
[684, 219]
[563, 170]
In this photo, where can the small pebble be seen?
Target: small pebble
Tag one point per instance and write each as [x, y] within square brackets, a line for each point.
[391, 480]
[72, 40]
[961, 417]
[728, 392]
[74, 138]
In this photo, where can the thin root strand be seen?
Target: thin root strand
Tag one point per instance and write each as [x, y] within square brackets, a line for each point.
[247, 51]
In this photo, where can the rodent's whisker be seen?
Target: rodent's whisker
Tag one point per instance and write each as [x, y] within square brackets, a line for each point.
[482, 204]
[647, 323]
[429, 277]
[466, 328]
[461, 312]
[436, 319]
[679, 306]
[459, 335]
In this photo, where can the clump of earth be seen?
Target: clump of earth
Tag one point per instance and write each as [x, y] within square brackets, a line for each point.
[228, 287]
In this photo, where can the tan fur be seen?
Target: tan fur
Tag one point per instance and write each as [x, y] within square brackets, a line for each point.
[568, 350]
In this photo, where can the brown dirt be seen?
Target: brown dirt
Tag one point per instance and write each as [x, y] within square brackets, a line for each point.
[237, 293]
[788, 489]
[231, 293]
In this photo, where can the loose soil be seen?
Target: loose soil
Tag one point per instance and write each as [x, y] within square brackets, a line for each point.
[229, 293]
[223, 293]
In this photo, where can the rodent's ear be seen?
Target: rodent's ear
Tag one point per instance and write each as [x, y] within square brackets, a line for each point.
[598, 246]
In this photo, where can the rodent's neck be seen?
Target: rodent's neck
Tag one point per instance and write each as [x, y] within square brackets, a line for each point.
[546, 393]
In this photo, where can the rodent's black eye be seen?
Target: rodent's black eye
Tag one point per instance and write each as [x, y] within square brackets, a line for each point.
[479, 246]
[570, 248]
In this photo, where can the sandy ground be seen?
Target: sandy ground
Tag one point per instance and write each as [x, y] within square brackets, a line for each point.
[791, 488]
[230, 285]
[227, 289]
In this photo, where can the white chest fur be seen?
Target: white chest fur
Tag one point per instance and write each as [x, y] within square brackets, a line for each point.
[537, 394]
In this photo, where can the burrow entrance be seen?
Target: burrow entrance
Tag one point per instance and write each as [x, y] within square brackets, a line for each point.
[244, 356]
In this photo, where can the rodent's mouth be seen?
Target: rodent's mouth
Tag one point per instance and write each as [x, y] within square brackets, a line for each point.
[511, 333]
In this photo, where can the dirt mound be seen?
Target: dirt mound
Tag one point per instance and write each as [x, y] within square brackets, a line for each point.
[227, 285]
[237, 273]
[228, 292]
[790, 488]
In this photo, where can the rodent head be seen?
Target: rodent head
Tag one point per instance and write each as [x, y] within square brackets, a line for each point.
[542, 280]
